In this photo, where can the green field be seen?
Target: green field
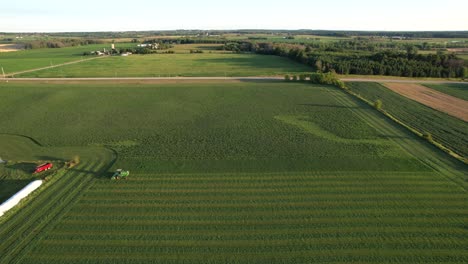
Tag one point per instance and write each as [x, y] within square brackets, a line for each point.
[170, 65]
[37, 58]
[448, 130]
[457, 90]
[229, 172]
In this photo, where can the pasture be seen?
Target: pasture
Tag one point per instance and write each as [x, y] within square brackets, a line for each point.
[172, 65]
[38, 58]
[230, 172]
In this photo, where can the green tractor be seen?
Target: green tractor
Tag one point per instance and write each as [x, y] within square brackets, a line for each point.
[120, 174]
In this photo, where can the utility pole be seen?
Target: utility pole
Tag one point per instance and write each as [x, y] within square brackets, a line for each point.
[4, 77]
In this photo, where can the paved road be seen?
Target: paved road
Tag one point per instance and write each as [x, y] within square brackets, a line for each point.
[219, 78]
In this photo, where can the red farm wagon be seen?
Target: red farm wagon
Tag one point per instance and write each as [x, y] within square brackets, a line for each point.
[43, 167]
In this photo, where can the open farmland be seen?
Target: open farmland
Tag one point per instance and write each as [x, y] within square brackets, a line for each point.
[10, 47]
[231, 172]
[450, 131]
[170, 65]
[38, 58]
[440, 101]
[456, 90]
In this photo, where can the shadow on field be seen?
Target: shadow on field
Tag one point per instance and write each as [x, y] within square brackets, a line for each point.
[10, 187]
[94, 173]
[103, 173]
[393, 137]
[49, 158]
[332, 106]
[261, 81]
[252, 62]
[27, 167]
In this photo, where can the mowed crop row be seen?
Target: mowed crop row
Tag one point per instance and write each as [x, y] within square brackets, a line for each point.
[262, 217]
[234, 172]
[20, 231]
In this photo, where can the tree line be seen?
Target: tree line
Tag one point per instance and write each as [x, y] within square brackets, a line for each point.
[38, 44]
[350, 57]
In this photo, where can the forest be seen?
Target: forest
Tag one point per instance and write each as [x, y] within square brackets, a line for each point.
[362, 57]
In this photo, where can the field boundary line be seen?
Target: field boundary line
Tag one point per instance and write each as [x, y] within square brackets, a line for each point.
[436, 100]
[10, 75]
[415, 131]
[420, 135]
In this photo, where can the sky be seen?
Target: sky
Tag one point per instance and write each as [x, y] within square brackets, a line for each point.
[106, 15]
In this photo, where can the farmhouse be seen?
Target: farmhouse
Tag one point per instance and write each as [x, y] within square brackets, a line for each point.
[149, 45]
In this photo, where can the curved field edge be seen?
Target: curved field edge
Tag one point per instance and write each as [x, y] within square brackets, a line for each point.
[20, 228]
[272, 217]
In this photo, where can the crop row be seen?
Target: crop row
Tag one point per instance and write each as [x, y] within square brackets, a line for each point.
[453, 89]
[446, 129]
[37, 216]
[292, 257]
[217, 127]
[414, 235]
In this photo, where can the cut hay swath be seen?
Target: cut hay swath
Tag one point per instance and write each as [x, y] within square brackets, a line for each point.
[229, 172]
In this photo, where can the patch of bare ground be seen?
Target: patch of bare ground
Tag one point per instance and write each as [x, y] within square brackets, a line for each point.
[442, 102]
[10, 47]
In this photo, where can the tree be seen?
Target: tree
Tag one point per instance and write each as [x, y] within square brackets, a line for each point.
[378, 104]
[428, 136]
[411, 51]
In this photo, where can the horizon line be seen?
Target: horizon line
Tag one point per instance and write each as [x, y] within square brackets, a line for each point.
[233, 30]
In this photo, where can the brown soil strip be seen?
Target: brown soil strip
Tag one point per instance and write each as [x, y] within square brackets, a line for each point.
[445, 103]
[10, 47]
